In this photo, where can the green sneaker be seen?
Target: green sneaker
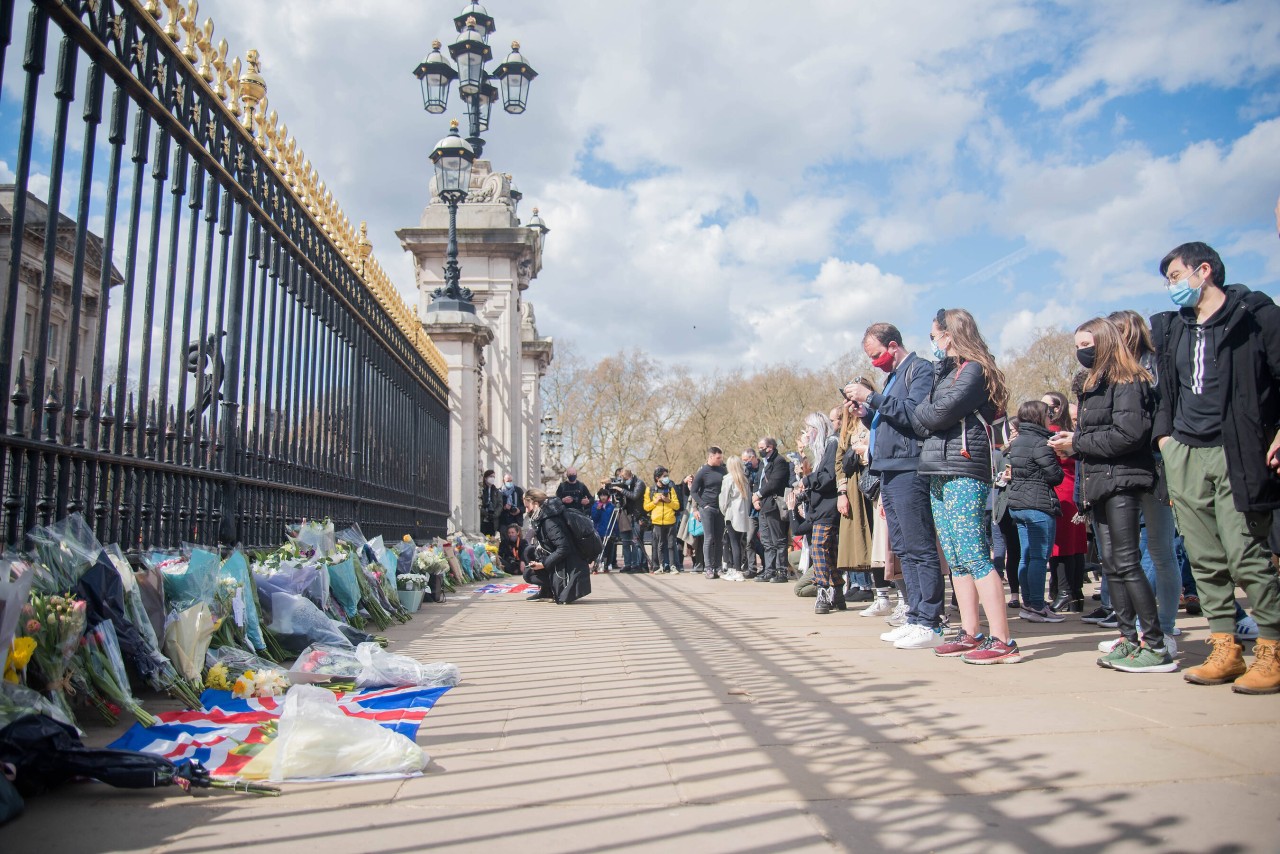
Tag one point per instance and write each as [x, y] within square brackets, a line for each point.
[1147, 660]
[1119, 652]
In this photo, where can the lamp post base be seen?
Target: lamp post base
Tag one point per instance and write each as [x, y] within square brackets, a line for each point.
[444, 303]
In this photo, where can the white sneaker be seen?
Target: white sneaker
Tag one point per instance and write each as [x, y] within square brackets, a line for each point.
[920, 637]
[881, 607]
[893, 634]
[899, 615]
[1246, 628]
[1108, 645]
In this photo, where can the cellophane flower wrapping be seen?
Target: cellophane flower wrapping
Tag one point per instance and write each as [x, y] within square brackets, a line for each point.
[17, 575]
[292, 576]
[344, 587]
[237, 567]
[316, 739]
[318, 537]
[191, 579]
[379, 668]
[236, 660]
[335, 662]
[296, 615]
[186, 639]
[64, 550]
[414, 581]
[107, 672]
[18, 701]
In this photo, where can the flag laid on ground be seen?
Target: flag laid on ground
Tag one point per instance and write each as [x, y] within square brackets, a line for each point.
[229, 733]
[508, 588]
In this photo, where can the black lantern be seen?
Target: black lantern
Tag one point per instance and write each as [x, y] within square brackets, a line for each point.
[515, 75]
[452, 158]
[471, 51]
[435, 73]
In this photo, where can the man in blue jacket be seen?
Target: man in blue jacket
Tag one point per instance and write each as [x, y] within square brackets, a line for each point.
[895, 457]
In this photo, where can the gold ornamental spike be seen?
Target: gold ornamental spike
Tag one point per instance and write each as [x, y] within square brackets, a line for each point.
[176, 16]
[220, 68]
[233, 88]
[191, 28]
[153, 9]
[205, 43]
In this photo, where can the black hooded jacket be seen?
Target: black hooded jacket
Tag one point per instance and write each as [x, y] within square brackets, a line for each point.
[1245, 338]
[1113, 439]
[1035, 471]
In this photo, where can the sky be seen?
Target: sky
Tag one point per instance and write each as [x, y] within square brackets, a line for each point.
[729, 184]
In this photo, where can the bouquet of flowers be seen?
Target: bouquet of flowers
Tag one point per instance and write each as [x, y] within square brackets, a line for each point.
[186, 640]
[263, 683]
[105, 667]
[413, 581]
[55, 623]
[64, 551]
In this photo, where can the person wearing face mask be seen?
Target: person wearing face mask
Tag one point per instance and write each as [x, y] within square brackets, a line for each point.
[512, 503]
[775, 477]
[1113, 440]
[1217, 427]
[490, 503]
[967, 392]
[893, 447]
[662, 503]
[573, 493]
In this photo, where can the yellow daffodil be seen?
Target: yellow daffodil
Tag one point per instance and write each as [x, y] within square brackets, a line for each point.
[19, 655]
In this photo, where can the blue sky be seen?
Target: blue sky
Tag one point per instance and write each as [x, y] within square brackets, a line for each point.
[781, 182]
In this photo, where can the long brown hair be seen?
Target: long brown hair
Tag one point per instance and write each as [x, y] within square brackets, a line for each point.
[1059, 412]
[970, 346]
[851, 423]
[1112, 360]
[1133, 331]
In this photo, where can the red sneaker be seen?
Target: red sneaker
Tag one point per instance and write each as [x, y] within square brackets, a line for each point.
[964, 642]
[994, 651]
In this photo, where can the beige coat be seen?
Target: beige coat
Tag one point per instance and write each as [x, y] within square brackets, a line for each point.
[854, 548]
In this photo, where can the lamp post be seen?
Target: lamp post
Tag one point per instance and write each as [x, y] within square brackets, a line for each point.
[475, 86]
[452, 158]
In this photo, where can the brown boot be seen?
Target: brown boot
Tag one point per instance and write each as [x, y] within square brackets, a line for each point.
[1224, 664]
[1263, 677]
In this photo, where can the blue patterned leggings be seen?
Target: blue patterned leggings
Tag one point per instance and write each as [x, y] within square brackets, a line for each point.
[959, 509]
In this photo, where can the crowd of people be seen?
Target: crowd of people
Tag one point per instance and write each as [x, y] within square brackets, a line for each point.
[1159, 469]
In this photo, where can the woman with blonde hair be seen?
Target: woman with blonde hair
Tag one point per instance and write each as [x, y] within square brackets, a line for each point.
[735, 506]
[968, 393]
[853, 550]
[1113, 439]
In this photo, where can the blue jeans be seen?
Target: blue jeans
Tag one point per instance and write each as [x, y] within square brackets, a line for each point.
[1035, 536]
[909, 515]
[1158, 561]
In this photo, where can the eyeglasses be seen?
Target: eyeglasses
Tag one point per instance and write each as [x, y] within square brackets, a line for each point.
[1171, 282]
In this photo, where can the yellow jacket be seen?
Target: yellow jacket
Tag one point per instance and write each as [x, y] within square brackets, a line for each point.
[662, 512]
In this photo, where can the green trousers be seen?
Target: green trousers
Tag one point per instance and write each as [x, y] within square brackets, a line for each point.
[1226, 547]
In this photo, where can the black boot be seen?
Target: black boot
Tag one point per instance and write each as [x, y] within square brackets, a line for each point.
[837, 599]
[1059, 604]
[765, 577]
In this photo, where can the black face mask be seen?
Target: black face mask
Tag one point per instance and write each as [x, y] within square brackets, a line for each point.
[572, 478]
[1086, 355]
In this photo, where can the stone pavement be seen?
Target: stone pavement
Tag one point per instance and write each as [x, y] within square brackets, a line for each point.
[677, 713]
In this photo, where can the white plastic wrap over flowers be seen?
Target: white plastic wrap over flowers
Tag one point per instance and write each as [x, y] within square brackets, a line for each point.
[316, 739]
[380, 668]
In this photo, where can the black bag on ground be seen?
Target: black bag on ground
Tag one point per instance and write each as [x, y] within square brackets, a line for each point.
[585, 538]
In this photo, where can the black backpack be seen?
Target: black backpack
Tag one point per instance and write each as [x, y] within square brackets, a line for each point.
[584, 535]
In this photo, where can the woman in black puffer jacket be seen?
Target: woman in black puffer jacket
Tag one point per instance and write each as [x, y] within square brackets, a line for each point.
[1113, 439]
[1034, 471]
[968, 390]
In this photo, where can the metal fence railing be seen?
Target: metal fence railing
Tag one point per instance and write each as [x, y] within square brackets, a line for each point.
[194, 343]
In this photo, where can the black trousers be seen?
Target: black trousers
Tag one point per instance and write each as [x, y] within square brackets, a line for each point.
[1116, 523]
[712, 536]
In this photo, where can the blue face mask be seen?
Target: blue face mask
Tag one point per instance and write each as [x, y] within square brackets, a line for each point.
[1183, 294]
[938, 352]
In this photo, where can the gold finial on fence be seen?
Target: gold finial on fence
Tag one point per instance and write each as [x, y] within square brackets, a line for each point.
[176, 16]
[221, 70]
[153, 9]
[204, 41]
[233, 88]
[192, 29]
[252, 87]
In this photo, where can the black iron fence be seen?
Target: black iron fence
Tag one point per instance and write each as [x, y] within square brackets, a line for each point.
[195, 344]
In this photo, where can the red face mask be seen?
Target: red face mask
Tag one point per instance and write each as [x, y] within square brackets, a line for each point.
[884, 361]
